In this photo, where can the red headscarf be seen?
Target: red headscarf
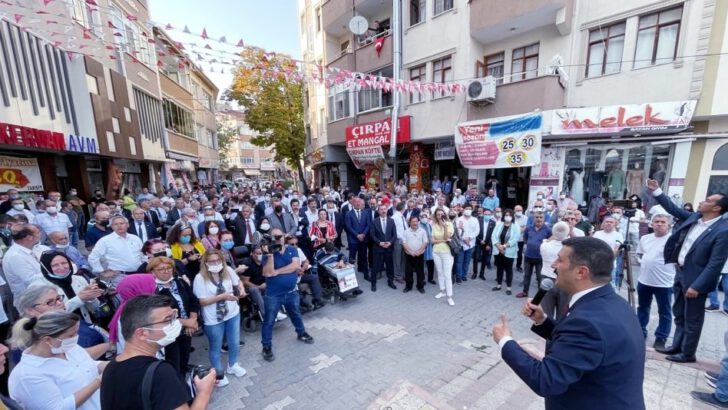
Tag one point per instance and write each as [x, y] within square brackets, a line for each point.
[129, 288]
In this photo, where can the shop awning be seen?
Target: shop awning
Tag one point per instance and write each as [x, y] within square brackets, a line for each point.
[251, 172]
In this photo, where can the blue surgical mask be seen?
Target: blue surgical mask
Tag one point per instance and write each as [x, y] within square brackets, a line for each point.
[227, 245]
[185, 239]
[487, 217]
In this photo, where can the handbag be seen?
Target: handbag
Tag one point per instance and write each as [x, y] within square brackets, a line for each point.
[455, 243]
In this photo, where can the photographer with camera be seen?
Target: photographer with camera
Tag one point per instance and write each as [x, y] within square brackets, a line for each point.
[148, 324]
[280, 268]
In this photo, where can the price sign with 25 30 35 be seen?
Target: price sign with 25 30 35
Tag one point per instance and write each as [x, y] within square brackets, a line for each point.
[517, 149]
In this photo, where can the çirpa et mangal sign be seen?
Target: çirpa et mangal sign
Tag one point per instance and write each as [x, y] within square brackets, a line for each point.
[377, 133]
[650, 118]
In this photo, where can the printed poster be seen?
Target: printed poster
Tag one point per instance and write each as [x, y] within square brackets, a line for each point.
[22, 174]
[511, 143]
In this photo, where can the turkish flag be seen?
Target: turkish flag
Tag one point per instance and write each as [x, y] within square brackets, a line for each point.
[378, 44]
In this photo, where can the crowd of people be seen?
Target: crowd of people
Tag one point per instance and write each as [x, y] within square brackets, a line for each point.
[111, 286]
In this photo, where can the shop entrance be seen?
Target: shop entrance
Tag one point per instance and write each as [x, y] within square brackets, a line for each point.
[510, 184]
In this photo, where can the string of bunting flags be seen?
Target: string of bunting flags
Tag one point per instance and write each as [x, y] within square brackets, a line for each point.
[51, 19]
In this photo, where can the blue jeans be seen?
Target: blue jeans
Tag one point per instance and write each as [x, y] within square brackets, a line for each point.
[663, 296]
[215, 333]
[462, 262]
[721, 386]
[713, 296]
[73, 238]
[291, 301]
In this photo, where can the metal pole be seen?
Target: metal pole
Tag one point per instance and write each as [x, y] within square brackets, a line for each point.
[397, 68]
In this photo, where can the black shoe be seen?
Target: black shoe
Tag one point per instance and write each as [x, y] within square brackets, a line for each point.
[421, 290]
[366, 276]
[712, 308]
[709, 398]
[224, 348]
[432, 282]
[391, 284]
[482, 277]
[306, 338]
[357, 292]
[458, 280]
[473, 276]
[268, 354]
[681, 358]
[374, 286]
[508, 292]
[670, 350]
[496, 288]
[518, 268]
[318, 304]
[659, 344]
[464, 279]
[407, 289]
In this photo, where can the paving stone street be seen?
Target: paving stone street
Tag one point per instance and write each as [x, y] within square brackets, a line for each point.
[389, 350]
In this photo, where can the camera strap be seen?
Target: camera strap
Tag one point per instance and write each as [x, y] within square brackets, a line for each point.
[147, 385]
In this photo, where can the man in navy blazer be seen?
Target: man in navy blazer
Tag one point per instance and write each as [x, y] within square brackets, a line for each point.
[698, 248]
[149, 230]
[356, 223]
[383, 235]
[595, 355]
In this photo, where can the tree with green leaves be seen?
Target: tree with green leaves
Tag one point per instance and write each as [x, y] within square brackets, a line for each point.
[225, 137]
[273, 105]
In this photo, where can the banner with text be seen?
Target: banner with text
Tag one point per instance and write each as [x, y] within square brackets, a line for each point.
[511, 143]
[363, 156]
[22, 174]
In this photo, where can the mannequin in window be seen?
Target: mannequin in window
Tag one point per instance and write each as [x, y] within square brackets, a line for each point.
[635, 179]
[659, 175]
[577, 185]
[615, 183]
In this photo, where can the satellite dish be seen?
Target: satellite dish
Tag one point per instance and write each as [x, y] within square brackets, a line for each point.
[358, 25]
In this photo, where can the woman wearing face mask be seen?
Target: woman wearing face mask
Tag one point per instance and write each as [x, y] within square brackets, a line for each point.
[40, 298]
[218, 289]
[211, 239]
[186, 248]
[188, 308]
[55, 371]
[505, 248]
[442, 231]
[263, 229]
[429, 261]
[322, 230]
[82, 297]
[154, 248]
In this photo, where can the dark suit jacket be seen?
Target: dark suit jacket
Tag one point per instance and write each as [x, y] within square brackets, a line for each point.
[410, 213]
[377, 236]
[259, 210]
[704, 262]
[151, 229]
[172, 217]
[595, 356]
[240, 230]
[488, 232]
[154, 218]
[354, 227]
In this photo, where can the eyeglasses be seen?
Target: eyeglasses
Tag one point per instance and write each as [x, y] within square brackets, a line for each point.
[165, 322]
[52, 302]
[164, 269]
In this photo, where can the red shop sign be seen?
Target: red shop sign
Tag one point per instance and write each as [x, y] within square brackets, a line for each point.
[377, 133]
[31, 137]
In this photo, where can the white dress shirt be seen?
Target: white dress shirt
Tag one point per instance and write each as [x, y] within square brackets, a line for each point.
[471, 229]
[399, 223]
[27, 213]
[50, 382]
[693, 234]
[22, 267]
[122, 254]
[56, 223]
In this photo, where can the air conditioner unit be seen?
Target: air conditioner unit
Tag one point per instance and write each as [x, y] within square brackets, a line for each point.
[482, 90]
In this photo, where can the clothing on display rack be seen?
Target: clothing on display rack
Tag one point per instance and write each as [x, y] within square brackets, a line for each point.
[595, 203]
[615, 183]
[659, 175]
[596, 183]
[577, 186]
[635, 180]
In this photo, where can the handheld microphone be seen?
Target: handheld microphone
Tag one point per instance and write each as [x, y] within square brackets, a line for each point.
[546, 285]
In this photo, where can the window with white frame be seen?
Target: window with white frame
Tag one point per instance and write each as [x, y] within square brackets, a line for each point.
[442, 6]
[606, 45]
[417, 11]
[372, 98]
[417, 74]
[442, 73]
[492, 64]
[248, 160]
[339, 103]
[86, 15]
[657, 37]
[137, 44]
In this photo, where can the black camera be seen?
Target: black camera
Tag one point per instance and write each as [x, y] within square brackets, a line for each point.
[271, 244]
[200, 371]
[629, 213]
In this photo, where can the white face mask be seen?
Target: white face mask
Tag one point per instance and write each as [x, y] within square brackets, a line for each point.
[66, 345]
[259, 258]
[264, 227]
[539, 197]
[52, 210]
[498, 215]
[507, 218]
[548, 208]
[165, 282]
[61, 246]
[519, 214]
[214, 230]
[18, 207]
[171, 332]
[209, 218]
[562, 196]
[467, 212]
[214, 268]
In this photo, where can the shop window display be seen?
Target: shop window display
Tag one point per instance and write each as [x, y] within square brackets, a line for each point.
[613, 172]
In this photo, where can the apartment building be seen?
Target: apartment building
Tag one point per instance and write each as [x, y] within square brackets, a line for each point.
[656, 64]
[205, 94]
[243, 159]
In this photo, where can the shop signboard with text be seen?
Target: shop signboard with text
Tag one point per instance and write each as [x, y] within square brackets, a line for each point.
[12, 134]
[649, 118]
[510, 143]
[22, 174]
[364, 142]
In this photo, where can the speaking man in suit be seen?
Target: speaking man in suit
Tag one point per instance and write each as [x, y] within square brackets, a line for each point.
[483, 249]
[698, 248]
[282, 220]
[383, 235]
[141, 227]
[412, 210]
[357, 223]
[175, 213]
[595, 355]
[244, 227]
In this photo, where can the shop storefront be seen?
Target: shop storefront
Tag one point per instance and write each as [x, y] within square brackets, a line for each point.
[207, 171]
[330, 166]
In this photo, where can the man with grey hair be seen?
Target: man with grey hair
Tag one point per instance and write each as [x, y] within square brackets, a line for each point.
[189, 218]
[121, 251]
[59, 242]
[656, 279]
[53, 219]
[613, 238]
